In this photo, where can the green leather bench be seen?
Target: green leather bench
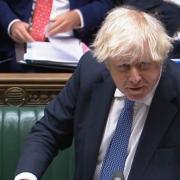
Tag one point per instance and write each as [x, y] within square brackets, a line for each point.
[16, 119]
[15, 123]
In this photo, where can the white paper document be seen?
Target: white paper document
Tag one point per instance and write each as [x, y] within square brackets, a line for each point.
[64, 51]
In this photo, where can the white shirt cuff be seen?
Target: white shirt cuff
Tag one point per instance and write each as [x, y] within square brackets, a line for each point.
[81, 19]
[10, 24]
[25, 175]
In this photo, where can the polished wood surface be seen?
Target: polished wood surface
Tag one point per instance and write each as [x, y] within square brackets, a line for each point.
[18, 89]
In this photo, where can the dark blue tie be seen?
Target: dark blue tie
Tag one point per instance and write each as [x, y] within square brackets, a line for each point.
[116, 154]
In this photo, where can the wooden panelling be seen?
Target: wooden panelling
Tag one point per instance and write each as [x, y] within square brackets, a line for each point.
[19, 89]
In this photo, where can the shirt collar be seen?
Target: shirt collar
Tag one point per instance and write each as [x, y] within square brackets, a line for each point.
[146, 100]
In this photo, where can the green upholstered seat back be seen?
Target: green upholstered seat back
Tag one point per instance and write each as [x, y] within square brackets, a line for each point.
[15, 123]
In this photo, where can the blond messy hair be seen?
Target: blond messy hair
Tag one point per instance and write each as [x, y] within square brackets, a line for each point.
[131, 33]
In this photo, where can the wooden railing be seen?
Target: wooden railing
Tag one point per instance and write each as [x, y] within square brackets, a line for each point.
[19, 89]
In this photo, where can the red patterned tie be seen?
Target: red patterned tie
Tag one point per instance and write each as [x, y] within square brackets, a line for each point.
[40, 19]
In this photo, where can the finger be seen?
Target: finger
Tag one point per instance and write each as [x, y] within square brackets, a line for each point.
[20, 32]
[57, 29]
[27, 37]
[23, 36]
[53, 25]
[18, 37]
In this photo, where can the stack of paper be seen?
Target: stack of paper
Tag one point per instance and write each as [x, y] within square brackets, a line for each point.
[64, 51]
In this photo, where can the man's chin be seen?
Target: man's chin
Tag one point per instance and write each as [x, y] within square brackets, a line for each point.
[136, 96]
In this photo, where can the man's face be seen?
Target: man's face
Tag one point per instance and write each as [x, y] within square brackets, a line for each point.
[135, 79]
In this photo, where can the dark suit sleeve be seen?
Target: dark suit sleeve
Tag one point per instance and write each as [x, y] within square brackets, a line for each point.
[53, 132]
[169, 15]
[93, 13]
[10, 10]
[6, 15]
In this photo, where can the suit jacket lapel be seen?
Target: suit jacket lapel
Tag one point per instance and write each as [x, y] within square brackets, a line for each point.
[102, 96]
[160, 115]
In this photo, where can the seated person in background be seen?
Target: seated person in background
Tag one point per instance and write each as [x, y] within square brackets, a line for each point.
[175, 54]
[167, 11]
[80, 18]
[169, 14]
[122, 108]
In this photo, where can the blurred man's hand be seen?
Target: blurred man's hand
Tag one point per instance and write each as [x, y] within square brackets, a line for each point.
[64, 23]
[19, 32]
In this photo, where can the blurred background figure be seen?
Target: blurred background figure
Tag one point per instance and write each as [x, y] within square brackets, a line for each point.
[167, 11]
[80, 19]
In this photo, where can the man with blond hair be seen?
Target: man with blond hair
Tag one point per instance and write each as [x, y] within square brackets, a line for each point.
[127, 78]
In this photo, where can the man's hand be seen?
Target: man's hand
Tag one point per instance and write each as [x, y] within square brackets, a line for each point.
[64, 22]
[19, 32]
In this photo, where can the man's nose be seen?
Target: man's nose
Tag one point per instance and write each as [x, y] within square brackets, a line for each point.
[134, 75]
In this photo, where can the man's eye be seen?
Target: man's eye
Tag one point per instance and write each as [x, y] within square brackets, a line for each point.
[124, 67]
[144, 65]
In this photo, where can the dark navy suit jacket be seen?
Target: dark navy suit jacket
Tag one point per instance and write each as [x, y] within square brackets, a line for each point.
[81, 111]
[93, 13]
